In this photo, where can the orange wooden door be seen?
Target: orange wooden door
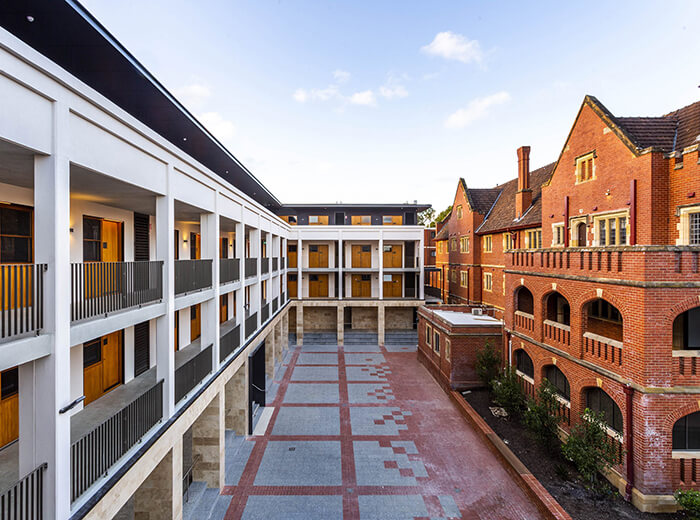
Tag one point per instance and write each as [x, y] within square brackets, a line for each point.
[393, 285]
[318, 255]
[361, 286]
[292, 285]
[393, 256]
[292, 255]
[195, 321]
[9, 406]
[111, 360]
[92, 382]
[223, 308]
[361, 256]
[111, 241]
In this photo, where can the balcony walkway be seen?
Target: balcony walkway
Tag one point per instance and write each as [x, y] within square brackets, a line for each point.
[362, 432]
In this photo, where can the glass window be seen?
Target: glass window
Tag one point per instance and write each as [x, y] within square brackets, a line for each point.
[686, 432]
[428, 334]
[313, 219]
[387, 249]
[436, 343]
[559, 381]
[523, 363]
[387, 278]
[92, 352]
[598, 401]
[448, 349]
[602, 233]
[10, 382]
[15, 235]
[365, 249]
[694, 228]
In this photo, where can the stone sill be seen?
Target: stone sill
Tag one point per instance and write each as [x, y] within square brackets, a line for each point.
[686, 353]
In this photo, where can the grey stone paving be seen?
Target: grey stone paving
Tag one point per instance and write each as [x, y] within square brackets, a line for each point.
[315, 373]
[392, 507]
[377, 420]
[449, 506]
[296, 507]
[315, 358]
[303, 420]
[401, 348]
[311, 393]
[238, 451]
[368, 393]
[364, 359]
[319, 348]
[378, 466]
[369, 373]
[300, 463]
[361, 348]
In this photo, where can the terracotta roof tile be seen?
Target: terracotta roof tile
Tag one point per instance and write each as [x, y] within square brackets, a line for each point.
[481, 200]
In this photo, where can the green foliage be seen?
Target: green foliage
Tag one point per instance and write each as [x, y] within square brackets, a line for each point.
[589, 447]
[562, 471]
[441, 216]
[690, 501]
[488, 361]
[427, 217]
[508, 393]
[541, 416]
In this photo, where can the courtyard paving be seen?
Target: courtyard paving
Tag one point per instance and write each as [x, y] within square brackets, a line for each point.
[366, 433]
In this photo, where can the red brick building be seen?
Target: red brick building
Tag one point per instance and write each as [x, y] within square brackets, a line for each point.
[607, 307]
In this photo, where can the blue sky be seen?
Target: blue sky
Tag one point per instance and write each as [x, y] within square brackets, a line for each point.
[392, 101]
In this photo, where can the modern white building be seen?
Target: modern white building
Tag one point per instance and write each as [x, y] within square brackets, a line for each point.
[145, 278]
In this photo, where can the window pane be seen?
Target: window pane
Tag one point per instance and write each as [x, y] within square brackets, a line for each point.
[613, 235]
[15, 222]
[10, 382]
[92, 353]
[623, 231]
[679, 437]
[91, 251]
[15, 249]
[695, 228]
[694, 431]
[602, 233]
[365, 249]
[91, 229]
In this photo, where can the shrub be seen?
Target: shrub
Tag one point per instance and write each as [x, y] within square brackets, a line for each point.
[488, 362]
[589, 447]
[541, 416]
[690, 501]
[508, 393]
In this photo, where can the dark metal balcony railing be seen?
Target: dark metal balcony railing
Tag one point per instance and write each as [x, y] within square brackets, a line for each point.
[192, 372]
[99, 288]
[21, 299]
[25, 500]
[264, 313]
[92, 455]
[229, 270]
[251, 267]
[275, 264]
[192, 275]
[229, 342]
[275, 305]
[251, 324]
[265, 265]
[432, 291]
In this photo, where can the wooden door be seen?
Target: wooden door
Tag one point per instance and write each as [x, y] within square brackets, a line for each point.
[581, 234]
[292, 285]
[111, 241]
[9, 406]
[195, 246]
[318, 255]
[111, 360]
[102, 365]
[392, 285]
[361, 256]
[318, 286]
[361, 286]
[223, 308]
[393, 256]
[223, 248]
[292, 255]
[195, 321]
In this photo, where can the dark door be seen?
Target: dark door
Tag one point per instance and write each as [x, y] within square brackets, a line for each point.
[581, 234]
[142, 361]
[339, 219]
[256, 378]
[141, 246]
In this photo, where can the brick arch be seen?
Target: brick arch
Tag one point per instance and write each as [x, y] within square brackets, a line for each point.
[547, 294]
[679, 413]
[608, 296]
[593, 383]
[680, 308]
[517, 291]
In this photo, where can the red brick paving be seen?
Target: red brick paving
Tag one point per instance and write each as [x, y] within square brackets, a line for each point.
[456, 459]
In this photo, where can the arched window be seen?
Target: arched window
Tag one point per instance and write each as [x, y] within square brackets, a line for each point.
[558, 309]
[686, 330]
[686, 432]
[603, 319]
[581, 234]
[598, 401]
[525, 301]
[558, 380]
[523, 363]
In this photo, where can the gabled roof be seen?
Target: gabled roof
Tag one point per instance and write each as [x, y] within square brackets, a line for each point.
[480, 199]
[502, 214]
[443, 234]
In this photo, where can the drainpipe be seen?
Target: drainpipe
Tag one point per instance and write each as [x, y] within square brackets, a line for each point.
[629, 394]
[633, 212]
[566, 221]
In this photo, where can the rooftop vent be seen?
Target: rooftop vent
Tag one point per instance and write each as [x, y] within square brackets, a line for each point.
[477, 312]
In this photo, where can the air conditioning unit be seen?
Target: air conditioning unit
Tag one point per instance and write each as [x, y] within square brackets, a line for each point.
[477, 312]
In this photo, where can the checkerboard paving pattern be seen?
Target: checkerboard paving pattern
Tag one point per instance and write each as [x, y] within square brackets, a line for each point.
[363, 432]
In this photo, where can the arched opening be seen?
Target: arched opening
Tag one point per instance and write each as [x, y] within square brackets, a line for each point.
[598, 401]
[523, 363]
[686, 330]
[558, 309]
[603, 318]
[581, 234]
[558, 380]
[525, 301]
[686, 432]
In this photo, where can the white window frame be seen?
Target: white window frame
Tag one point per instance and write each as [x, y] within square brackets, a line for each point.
[558, 234]
[683, 225]
[488, 282]
[607, 217]
[488, 244]
[580, 161]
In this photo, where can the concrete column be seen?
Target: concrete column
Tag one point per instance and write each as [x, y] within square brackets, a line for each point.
[240, 297]
[209, 443]
[270, 354]
[44, 432]
[300, 325]
[278, 341]
[165, 325]
[209, 227]
[300, 262]
[255, 288]
[159, 497]
[421, 268]
[381, 265]
[340, 325]
[236, 401]
[128, 354]
[380, 323]
[285, 331]
[341, 279]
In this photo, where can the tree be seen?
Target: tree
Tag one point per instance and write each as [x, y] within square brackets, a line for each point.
[488, 362]
[426, 218]
[507, 392]
[441, 216]
[541, 416]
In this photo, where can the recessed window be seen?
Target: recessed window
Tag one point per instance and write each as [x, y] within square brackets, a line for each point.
[686, 432]
[15, 234]
[428, 334]
[611, 231]
[585, 167]
[459, 211]
[92, 352]
[694, 234]
[523, 363]
[558, 235]
[534, 239]
[488, 282]
[454, 244]
[464, 275]
[598, 401]
[436, 342]
[507, 241]
[313, 219]
[488, 243]
[391, 220]
[387, 278]
[10, 383]
[464, 244]
[559, 381]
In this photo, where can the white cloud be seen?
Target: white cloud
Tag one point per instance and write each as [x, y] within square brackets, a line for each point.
[219, 126]
[393, 91]
[300, 95]
[366, 98]
[316, 94]
[476, 109]
[193, 95]
[453, 46]
[341, 76]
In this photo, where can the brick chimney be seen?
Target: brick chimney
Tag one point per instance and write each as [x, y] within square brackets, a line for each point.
[523, 197]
